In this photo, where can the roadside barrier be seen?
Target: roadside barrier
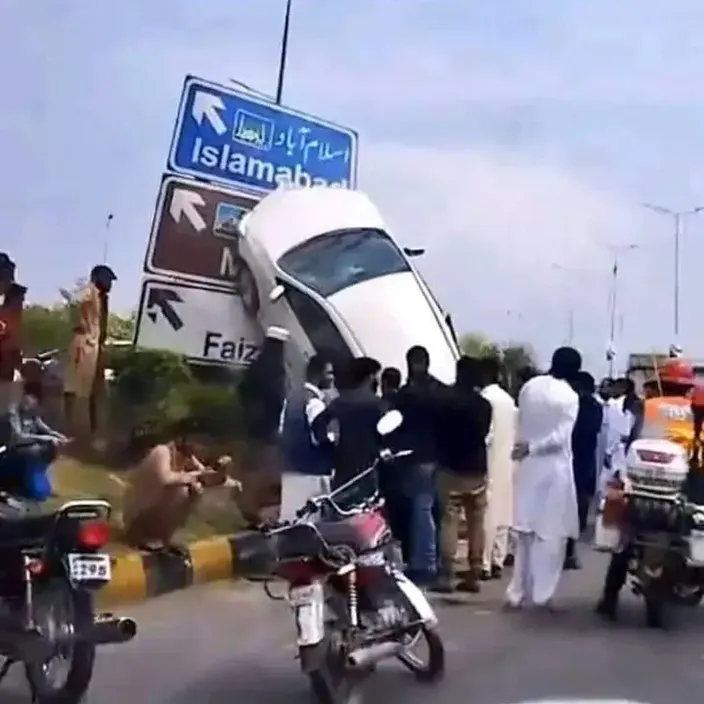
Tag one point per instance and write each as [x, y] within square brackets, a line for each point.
[137, 576]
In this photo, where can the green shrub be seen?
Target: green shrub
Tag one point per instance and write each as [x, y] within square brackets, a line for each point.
[152, 390]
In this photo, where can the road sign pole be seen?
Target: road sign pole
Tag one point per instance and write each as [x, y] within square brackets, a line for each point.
[284, 53]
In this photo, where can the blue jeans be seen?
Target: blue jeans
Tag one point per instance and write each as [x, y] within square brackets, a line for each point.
[422, 529]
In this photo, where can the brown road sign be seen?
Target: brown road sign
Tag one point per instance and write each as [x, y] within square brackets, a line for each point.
[194, 235]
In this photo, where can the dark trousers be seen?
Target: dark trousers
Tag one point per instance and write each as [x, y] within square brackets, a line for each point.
[35, 453]
[616, 575]
[584, 501]
[398, 509]
[18, 459]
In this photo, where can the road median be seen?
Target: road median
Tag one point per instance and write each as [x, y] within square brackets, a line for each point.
[137, 576]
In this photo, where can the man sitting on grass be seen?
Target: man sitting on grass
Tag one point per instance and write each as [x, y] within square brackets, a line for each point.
[165, 489]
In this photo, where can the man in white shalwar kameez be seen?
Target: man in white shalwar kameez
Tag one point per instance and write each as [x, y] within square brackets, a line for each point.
[499, 512]
[545, 499]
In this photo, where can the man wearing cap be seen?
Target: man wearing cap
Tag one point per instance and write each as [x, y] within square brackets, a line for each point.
[85, 373]
[11, 344]
[7, 272]
[262, 393]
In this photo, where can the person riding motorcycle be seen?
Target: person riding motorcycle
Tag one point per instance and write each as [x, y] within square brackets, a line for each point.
[667, 414]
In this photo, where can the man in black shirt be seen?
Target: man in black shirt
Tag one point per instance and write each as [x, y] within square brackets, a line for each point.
[462, 479]
[421, 403]
[391, 477]
[351, 419]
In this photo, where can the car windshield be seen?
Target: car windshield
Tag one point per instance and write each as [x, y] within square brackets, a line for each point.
[332, 262]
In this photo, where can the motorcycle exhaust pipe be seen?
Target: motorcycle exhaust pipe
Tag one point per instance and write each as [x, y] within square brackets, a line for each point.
[372, 654]
[112, 630]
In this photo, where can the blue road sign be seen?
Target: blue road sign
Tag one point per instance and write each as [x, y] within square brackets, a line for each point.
[225, 135]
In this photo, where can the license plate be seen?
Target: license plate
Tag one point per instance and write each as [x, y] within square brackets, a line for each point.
[89, 568]
[304, 595]
[308, 605]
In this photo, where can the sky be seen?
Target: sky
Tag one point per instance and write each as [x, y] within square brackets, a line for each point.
[514, 140]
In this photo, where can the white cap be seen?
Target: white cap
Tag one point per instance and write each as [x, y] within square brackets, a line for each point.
[275, 333]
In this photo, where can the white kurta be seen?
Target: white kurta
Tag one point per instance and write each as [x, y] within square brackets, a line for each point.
[619, 423]
[545, 498]
[601, 443]
[499, 512]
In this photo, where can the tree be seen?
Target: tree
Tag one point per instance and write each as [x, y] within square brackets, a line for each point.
[120, 327]
[45, 328]
[50, 327]
[514, 356]
[475, 344]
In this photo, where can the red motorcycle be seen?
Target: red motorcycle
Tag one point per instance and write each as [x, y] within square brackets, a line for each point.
[352, 604]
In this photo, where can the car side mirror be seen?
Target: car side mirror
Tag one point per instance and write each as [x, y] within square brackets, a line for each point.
[276, 293]
[389, 422]
[414, 251]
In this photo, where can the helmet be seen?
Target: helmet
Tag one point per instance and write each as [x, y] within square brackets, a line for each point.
[677, 371]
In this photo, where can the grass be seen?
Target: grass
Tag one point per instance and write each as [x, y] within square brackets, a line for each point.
[73, 479]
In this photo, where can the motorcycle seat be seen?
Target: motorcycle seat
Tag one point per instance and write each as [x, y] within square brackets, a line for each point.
[352, 533]
[27, 525]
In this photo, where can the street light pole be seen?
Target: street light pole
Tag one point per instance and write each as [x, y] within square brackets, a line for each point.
[106, 242]
[284, 53]
[677, 218]
[571, 309]
[613, 307]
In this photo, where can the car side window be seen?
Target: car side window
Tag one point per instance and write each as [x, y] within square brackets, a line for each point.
[321, 331]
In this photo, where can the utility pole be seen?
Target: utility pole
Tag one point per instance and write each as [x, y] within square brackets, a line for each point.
[284, 53]
[613, 304]
[677, 217]
[106, 241]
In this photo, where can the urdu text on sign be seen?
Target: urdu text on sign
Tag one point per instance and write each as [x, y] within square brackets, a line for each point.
[224, 135]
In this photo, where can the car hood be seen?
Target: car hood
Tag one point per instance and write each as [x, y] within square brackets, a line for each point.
[390, 314]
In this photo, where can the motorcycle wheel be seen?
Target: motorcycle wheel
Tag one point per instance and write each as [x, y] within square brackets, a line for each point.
[432, 668]
[332, 682]
[60, 607]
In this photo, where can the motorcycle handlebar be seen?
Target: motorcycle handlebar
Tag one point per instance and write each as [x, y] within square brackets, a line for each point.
[313, 505]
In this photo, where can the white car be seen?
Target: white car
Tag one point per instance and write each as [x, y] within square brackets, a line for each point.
[323, 264]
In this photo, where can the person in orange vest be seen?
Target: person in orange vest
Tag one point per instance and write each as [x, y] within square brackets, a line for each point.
[670, 413]
[668, 403]
[10, 344]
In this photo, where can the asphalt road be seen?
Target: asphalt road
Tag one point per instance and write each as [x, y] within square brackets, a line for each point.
[224, 643]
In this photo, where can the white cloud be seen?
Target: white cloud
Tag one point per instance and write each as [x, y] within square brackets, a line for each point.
[493, 224]
[464, 201]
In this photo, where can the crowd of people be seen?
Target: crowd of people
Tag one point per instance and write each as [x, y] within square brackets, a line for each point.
[483, 461]
[484, 464]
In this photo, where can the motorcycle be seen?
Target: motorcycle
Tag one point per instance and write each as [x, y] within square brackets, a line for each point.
[352, 605]
[51, 564]
[652, 516]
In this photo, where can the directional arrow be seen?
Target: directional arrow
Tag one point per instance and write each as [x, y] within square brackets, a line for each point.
[162, 299]
[185, 202]
[208, 105]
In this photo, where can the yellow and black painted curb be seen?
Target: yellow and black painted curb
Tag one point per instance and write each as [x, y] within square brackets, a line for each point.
[137, 576]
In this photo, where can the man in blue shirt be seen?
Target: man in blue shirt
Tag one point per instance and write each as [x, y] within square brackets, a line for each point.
[307, 463]
[30, 442]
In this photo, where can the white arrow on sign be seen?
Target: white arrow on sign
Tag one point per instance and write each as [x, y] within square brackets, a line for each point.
[185, 202]
[207, 105]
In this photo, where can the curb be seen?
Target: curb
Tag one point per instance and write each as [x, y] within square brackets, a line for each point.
[139, 576]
